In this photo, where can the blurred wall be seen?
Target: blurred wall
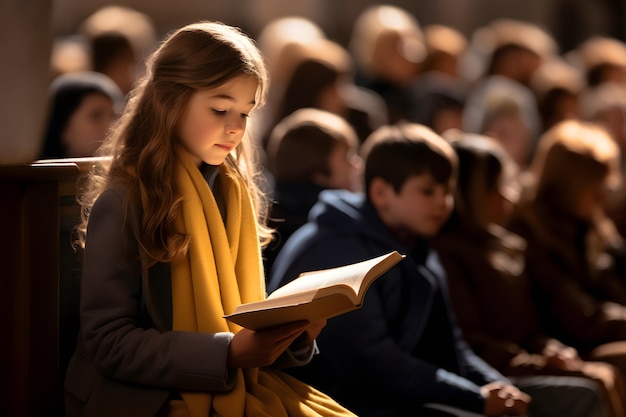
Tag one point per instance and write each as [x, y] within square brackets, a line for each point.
[575, 19]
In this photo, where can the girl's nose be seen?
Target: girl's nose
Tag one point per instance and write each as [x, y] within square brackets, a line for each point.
[236, 125]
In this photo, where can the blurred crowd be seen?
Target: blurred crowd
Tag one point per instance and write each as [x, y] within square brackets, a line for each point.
[540, 135]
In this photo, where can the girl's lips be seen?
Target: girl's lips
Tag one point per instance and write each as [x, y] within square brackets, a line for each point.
[225, 147]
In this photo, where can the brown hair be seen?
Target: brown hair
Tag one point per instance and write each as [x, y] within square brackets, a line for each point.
[570, 156]
[397, 152]
[484, 167]
[141, 147]
[301, 144]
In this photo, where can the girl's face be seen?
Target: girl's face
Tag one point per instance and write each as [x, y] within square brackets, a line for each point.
[215, 119]
[88, 125]
[422, 206]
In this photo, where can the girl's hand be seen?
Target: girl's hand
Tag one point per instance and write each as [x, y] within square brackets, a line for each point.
[253, 349]
[309, 334]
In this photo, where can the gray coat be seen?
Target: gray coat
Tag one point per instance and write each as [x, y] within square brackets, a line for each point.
[128, 361]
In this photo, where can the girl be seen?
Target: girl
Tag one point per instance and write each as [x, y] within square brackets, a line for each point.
[171, 237]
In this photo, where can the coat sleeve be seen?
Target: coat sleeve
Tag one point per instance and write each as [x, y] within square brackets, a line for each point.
[498, 352]
[578, 313]
[476, 369]
[113, 335]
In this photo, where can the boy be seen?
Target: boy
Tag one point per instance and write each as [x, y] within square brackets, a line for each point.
[402, 350]
[308, 151]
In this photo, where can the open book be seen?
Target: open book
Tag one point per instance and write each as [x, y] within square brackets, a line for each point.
[315, 295]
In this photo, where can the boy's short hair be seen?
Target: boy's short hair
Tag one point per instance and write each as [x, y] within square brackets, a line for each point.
[397, 152]
[301, 144]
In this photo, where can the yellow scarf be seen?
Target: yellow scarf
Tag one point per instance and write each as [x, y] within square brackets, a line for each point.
[221, 270]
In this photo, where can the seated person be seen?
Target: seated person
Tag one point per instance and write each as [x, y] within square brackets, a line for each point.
[573, 253]
[83, 106]
[308, 151]
[402, 350]
[490, 291]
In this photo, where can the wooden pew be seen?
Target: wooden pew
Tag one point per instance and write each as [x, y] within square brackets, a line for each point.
[39, 283]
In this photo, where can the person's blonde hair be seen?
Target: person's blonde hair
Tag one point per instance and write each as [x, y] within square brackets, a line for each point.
[140, 149]
[381, 28]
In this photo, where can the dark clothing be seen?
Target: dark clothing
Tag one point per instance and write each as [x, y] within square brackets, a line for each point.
[491, 294]
[292, 203]
[493, 298]
[574, 289]
[402, 348]
[366, 110]
[398, 99]
[125, 323]
[128, 361]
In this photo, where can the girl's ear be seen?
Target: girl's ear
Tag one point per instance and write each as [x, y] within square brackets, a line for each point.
[380, 192]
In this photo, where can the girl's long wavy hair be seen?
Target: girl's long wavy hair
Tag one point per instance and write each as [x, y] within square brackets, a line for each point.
[139, 151]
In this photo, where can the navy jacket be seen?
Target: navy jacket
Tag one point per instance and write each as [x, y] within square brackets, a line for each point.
[403, 348]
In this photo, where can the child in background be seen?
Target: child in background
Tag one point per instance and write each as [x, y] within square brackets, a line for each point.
[387, 44]
[309, 151]
[119, 40]
[83, 106]
[490, 291]
[319, 74]
[172, 244]
[572, 246]
[402, 350]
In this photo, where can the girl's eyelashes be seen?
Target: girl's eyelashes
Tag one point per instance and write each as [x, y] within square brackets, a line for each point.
[223, 113]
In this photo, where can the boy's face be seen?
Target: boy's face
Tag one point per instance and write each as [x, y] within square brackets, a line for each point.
[345, 169]
[422, 206]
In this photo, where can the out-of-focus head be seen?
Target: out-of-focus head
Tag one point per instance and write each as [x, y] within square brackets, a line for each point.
[445, 46]
[601, 59]
[318, 71]
[120, 40]
[387, 42]
[69, 54]
[82, 107]
[557, 86]
[575, 166]
[313, 145]
[513, 48]
[280, 32]
[605, 104]
[488, 184]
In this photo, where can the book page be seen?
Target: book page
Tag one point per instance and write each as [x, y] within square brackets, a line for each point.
[316, 294]
[350, 276]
